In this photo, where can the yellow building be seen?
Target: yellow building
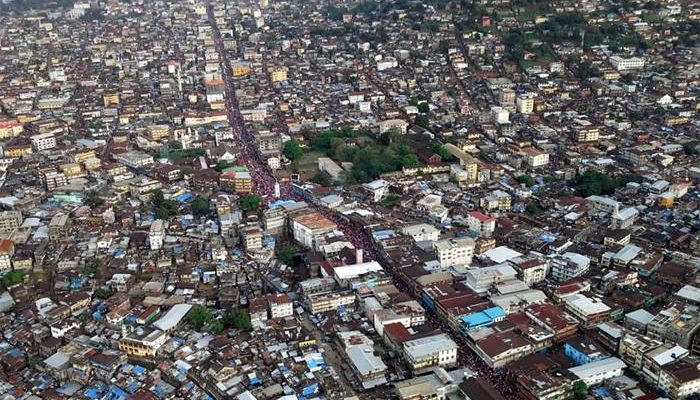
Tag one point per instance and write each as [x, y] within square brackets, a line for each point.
[278, 75]
[158, 132]
[71, 170]
[666, 200]
[18, 151]
[10, 129]
[110, 99]
[142, 342]
[240, 69]
[81, 156]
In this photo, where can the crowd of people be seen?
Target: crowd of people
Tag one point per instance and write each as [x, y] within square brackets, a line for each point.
[264, 183]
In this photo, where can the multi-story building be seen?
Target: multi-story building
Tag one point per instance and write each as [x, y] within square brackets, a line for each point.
[156, 234]
[455, 251]
[308, 227]
[142, 342]
[525, 103]
[588, 311]
[531, 269]
[7, 250]
[430, 351]
[324, 302]
[626, 64]
[43, 141]
[280, 305]
[497, 200]
[252, 237]
[10, 220]
[680, 379]
[481, 223]
[58, 226]
[568, 265]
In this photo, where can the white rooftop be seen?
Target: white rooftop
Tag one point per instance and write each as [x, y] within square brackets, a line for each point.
[172, 317]
[353, 270]
[501, 254]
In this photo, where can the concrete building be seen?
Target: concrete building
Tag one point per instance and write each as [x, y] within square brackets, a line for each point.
[10, 220]
[599, 371]
[43, 141]
[156, 234]
[456, 251]
[142, 342]
[587, 311]
[481, 223]
[308, 227]
[437, 350]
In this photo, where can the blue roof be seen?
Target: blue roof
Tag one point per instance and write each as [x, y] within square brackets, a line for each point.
[92, 393]
[495, 312]
[138, 370]
[184, 197]
[476, 319]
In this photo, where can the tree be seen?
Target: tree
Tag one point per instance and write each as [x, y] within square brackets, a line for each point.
[423, 121]
[531, 209]
[440, 150]
[239, 319]
[580, 389]
[424, 107]
[409, 160]
[321, 179]
[102, 294]
[251, 202]
[691, 148]
[200, 206]
[286, 255]
[292, 150]
[528, 180]
[199, 316]
[216, 326]
[12, 278]
[222, 165]
[93, 199]
[164, 208]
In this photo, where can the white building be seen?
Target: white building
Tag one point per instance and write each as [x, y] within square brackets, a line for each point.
[456, 251]
[525, 103]
[156, 234]
[308, 227]
[481, 223]
[500, 115]
[43, 141]
[596, 372]
[626, 64]
[376, 188]
[422, 232]
[437, 350]
[569, 265]
[280, 305]
[389, 125]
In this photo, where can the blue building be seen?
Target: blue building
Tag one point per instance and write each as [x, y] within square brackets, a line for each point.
[583, 350]
[484, 317]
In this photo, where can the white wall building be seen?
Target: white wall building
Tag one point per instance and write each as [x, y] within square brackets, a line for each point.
[456, 251]
[156, 234]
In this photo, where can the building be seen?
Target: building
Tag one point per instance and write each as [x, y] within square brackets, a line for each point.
[7, 250]
[10, 220]
[309, 227]
[596, 372]
[429, 351]
[278, 75]
[280, 305]
[525, 103]
[680, 379]
[133, 159]
[369, 368]
[456, 251]
[588, 311]
[422, 232]
[377, 189]
[568, 265]
[482, 279]
[481, 223]
[531, 269]
[627, 64]
[59, 226]
[397, 125]
[324, 302]
[43, 141]
[173, 317]
[497, 200]
[156, 234]
[501, 348]
[142, 342]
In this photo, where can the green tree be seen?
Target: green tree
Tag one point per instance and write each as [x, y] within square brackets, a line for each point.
[424, 107]
[93, 199]
[423, 121]
[292, 150]
[321, 179]
[251, 202]
[199, 316]
[200, 206]
[531, 209]
[580, 389]
[12, 278]
[528, 180]
[286, 255]
[440, 150]
[216, 326]
[239, 319]
[164, 208]
[222, 165]
[102, 294]
[409, 160]
[691, 148]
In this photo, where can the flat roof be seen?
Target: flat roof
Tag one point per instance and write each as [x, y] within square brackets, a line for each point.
[172, 317]
[426, 346]
[689, 292]
[597, 367]
[315, 221]
[349, 271]
[501, 254]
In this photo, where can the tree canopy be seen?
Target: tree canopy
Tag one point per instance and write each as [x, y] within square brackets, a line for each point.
[164, 208]
[200, 206]
[251, 202]
[199, 316]
[292, 150]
